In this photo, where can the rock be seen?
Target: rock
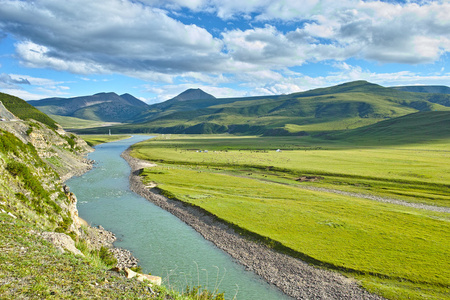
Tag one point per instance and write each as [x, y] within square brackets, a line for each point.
[130, 273]
[155, 280]
[61, 241]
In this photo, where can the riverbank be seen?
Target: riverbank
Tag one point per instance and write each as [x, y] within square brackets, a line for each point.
[97, 237]
[294, 277]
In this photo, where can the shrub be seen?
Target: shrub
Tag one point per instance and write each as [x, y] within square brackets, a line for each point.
[196, 293]
[107, 256]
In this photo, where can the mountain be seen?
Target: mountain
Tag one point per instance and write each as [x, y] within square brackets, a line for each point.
[107, 107]
[190, 99]
[193, 94]
[432, 89]
[342, 107]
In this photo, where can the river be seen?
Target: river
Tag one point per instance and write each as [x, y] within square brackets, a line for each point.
[164, 245]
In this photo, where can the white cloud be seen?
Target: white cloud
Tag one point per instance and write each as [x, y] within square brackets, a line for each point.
[6, 80]
[25, 95]
[31, 88]
[86, 37]
[143, 39]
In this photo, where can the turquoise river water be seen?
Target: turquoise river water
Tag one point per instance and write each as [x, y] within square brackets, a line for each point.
[164, 245]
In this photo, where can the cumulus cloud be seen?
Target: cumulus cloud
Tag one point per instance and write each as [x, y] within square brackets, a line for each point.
[144, 39]
[7, 81]
[31, 88]
[86, 36]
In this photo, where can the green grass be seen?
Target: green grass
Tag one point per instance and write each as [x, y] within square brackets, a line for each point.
[96, 139]
[416, 173]
[77, 123]
[34, 269]
[395, 251]
[25, 111]
[31, 268]
[320, 111]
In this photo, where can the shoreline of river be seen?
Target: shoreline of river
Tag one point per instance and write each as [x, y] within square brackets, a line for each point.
[294, 277]
[97, 236]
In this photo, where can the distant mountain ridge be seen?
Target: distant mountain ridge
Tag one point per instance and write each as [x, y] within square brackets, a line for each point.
[341, 107]
[433, 89]
[108, 107]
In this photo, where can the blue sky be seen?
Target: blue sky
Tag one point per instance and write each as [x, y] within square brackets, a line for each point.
[156, 49]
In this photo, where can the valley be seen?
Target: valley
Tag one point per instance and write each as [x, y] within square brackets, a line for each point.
[314, 202]
[350, 180]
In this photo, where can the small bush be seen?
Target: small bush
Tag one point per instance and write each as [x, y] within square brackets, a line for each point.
[137, 269]
[107, 256]
[71, 140]
[199, 294]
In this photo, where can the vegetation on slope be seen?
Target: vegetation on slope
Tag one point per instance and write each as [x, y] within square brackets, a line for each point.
[28, 185]
[314, 112]
[25, 111]
[32, 201]
[106, 107]
[396, 251]
[412, 128]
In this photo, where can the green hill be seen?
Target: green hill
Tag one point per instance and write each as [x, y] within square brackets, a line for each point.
[106, 107]
[413, 128]
[25, 111]
[342, 107]
[433, 89]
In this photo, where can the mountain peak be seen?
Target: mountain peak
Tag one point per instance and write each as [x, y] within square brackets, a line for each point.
[193, 94]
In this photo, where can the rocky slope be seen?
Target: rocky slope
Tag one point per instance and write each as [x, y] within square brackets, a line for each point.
[39, 221]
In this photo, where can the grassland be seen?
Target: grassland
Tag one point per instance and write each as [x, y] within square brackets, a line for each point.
[395, 251]
[77, 123]
[96, 139]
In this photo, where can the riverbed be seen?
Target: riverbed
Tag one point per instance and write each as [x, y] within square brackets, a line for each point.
[164, 245]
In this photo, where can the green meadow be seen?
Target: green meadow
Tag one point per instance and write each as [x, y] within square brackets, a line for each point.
[396, 251]
[96, 139]
[77, 123]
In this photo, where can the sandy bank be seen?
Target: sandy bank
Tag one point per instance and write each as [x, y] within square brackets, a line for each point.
[293, 276]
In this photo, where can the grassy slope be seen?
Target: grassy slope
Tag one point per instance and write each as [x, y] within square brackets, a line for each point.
[342, 107]
[417, 127]
[25, 111]
[396, 251]
[31, 267]
[34, 269]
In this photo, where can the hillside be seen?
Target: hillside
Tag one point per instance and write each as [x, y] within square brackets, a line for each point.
[106, 107]
[47, 251]
[24, 110]
[342, 107]
[433, 89]
[420, 127]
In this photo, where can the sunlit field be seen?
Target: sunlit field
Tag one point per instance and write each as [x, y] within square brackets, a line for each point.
[96, 139]
[396, 251]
